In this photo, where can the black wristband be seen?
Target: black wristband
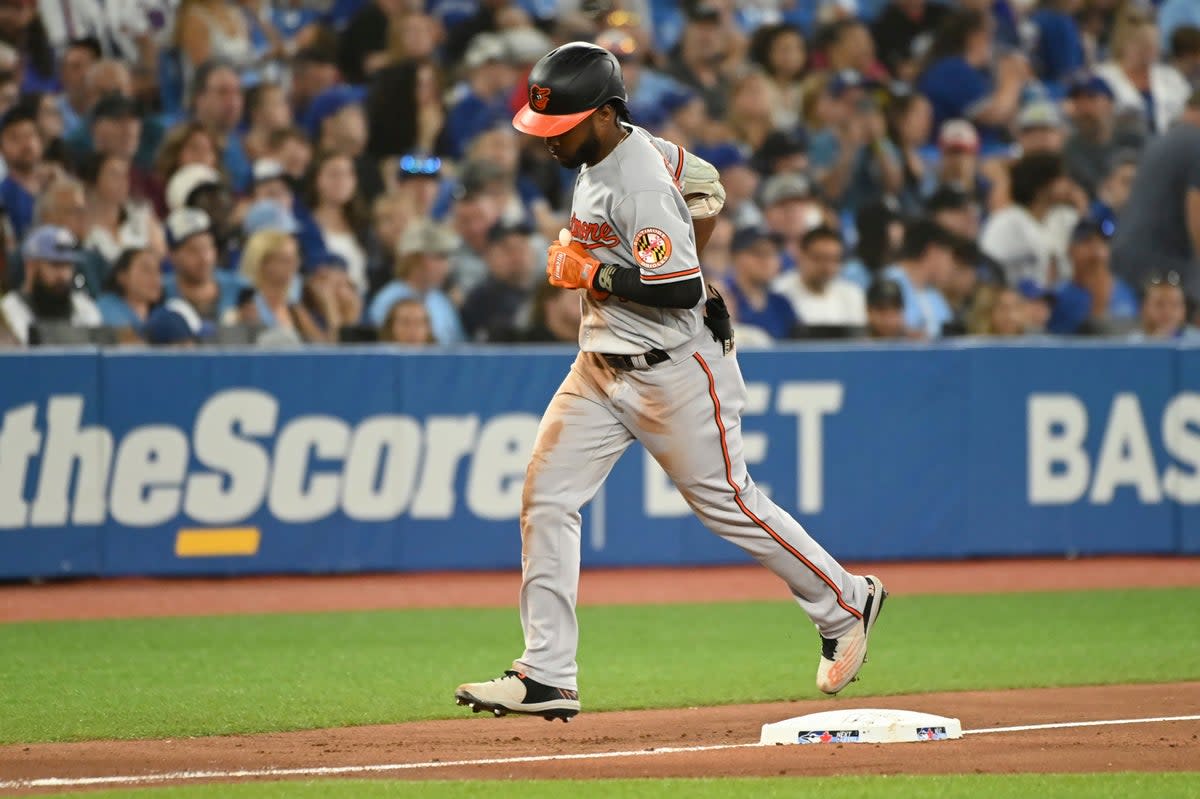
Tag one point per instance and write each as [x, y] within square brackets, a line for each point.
[627, 283]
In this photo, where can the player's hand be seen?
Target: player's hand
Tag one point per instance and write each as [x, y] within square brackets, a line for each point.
[570, 266]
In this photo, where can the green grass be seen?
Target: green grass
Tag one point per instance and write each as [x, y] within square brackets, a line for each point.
[1007, 786]
[146, 678]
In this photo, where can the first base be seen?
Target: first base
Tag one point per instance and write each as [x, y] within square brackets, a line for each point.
[863, 726]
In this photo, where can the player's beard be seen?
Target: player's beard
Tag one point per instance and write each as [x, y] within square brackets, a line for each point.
[588, 152]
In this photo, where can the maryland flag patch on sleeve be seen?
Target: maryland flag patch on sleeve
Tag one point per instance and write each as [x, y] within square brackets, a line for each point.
[651, 247]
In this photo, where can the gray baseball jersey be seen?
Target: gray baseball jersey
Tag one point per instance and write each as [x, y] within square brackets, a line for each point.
[628, 210]
[686, 412]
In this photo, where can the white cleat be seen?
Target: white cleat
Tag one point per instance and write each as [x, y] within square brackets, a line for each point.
[842, 657]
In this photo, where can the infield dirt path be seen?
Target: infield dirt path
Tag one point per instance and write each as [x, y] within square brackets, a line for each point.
[1165, 746]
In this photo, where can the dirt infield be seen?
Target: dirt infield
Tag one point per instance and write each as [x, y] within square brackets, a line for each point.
[1166, 746]
[95, 599]
[429, 747]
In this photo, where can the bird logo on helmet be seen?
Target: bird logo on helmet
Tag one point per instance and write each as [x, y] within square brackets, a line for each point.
[538, 97]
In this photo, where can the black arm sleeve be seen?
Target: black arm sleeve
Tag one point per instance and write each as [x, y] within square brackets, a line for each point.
[627, 283]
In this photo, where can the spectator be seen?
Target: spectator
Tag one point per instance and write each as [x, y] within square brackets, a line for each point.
[1142, 86]
[21, 148]
[107, 77]
[363, 45]
[958, 82]
[10, 91]
[1020, 237]
[910, 123]
[718, 259]
[500, 147]
[422, 267]
[338, 125]
[340, 213]
[217, 104]
[902, 30]
[213, 30]
[1093, 300]
[644, 85]
[407, 322]
[291, 148]
[116, 222]
[75, 101]
[1174, 15]
[1058, 46]
[781, 51]
[1164, 311]
[998, 311]
[195, 277]
[1185, 51]
[1114, 191]
[885, 310]
[1040, 128]
[48, 294]
[1090, 148]
[329, 297]
[134, 286]
[749, 118]
[493, 306]
[186, 143]
[849, 46]
[481, 98]
[1160, 224]
[63, 204]
[176, 324]
[198, 186]
[408, 83]
[268, 111]
[741, 183]
[955, 211]
[314, 70]
[755, 268]
[816, 289]
[271, 264]
[880, 231]
[783, 152]
[472, 216]
[271, 183]
[555, 316]
[926, 261]
[791, 210]
[419, 181]
[852, 159]
[116, 126]
[960, 285]
[51, 127]
[699, 62]
[958, 168]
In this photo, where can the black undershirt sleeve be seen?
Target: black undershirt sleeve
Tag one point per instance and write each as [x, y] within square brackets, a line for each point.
[627, 283]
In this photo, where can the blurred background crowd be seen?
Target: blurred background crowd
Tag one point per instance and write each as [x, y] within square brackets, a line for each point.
[278, 172]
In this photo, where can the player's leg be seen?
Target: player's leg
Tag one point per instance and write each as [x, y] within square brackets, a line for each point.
[701, 450]
[577, 444]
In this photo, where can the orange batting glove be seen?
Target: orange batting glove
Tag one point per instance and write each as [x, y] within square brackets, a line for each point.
[571, 266]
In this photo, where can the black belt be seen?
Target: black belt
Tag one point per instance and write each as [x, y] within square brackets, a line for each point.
[643, 361]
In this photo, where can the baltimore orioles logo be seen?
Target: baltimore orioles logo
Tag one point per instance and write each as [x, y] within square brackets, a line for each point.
[538, 97]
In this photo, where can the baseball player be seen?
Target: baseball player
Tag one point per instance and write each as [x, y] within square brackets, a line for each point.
[656, 365]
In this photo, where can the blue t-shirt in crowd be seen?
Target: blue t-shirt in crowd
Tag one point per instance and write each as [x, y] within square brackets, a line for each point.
[866, 179]
[237, 164]
[1059, 49]
[228, 284]
[777, 317]
[925, 310]
[18, 204]
[1073, 306]
[116, 312]
[443, 316]
[955, 89]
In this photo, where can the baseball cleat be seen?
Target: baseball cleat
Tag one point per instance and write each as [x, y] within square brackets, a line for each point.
[842, 657]
[513, 692]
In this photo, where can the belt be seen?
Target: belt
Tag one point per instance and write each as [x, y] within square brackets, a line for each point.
[643, 361]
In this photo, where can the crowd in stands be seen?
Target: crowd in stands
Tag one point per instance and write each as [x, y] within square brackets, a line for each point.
[281, 172]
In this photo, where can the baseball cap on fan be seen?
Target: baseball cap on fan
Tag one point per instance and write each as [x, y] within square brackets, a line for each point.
[566, 86]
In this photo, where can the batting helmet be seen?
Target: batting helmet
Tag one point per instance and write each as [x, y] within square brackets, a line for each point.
[566, 87]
